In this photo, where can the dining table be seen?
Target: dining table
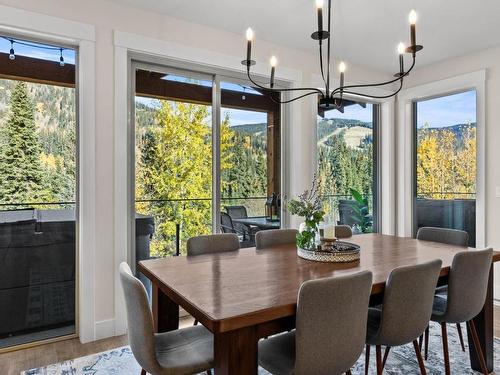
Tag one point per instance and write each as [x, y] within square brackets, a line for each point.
[247, 295]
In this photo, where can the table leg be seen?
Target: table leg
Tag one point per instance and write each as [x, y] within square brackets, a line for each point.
[484, 327]
[235, 352]
[165, 311]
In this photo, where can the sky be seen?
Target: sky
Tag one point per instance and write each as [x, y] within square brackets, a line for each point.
[447, 110]
[39, 53]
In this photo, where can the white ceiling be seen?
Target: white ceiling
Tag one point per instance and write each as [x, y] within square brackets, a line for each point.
[366, 32]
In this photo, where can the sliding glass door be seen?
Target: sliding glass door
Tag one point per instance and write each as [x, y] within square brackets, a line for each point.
[205, 147]
[445, 163]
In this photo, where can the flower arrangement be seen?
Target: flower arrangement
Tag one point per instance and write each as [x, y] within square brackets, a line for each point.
[309, 205]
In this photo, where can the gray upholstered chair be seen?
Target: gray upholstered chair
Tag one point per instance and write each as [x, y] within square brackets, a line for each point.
[274, 237]
[212, 243]
[343, 231]
[405, 311]
[183, 351]
[331, 329]
[448, 236]
[467, 289]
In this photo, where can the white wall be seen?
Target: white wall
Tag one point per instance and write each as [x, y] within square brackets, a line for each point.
[490, 61]
[107, 17]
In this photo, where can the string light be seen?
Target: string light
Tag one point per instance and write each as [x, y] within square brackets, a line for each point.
[12, 54]
[61, 59]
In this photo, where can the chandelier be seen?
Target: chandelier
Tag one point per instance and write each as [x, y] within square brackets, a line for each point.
[329, 98]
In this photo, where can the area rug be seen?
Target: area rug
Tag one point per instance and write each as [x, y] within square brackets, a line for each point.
[402, 360]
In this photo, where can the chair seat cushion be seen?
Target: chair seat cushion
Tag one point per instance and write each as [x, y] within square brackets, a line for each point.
[185, 351]
[277, 354]
[374, 317]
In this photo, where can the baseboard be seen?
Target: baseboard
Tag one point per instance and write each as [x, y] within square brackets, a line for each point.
[104, 329]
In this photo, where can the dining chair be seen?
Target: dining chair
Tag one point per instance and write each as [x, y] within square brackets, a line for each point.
[343, 231]
[405, 311]
[274, 237]
[227, 226]
[183, 351]
[467, 289]
[330, 329]
[239, 212]
[451, 237]
[212, 243]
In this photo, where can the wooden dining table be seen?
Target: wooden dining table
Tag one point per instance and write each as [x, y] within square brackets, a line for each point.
[246, 295]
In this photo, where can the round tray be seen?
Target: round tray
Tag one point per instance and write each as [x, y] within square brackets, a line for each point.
[347, 252]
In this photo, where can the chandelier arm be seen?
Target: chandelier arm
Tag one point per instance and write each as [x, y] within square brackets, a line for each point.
[339, 89]
[317, 91]
[377, 96]
[293, 99]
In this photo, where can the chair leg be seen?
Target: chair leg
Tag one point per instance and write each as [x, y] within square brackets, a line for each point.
[209, 372]
[460, 336]
[421, 341]
[195, 322]
[386, 354]
[426, 350]
[367, 359]
[419, 358]
[348, 372]
[477, 346]
[446, 354]
[378, 350]
[143, 372]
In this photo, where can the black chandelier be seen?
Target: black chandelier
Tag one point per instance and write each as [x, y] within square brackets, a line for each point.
[329, 99]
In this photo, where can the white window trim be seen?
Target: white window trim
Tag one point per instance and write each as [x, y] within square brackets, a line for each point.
[405, 173]
[57, 30]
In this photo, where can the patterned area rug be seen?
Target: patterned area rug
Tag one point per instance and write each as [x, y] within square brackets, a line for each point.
[402, 360]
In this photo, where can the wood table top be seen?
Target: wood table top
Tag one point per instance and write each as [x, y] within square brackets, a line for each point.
[231, 290]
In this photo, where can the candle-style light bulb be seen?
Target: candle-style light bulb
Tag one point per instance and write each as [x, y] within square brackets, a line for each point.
[273, 61]
[342, 67]
[249, 35]
[413, 38]
[401, 51]
[342, 71]
[319, 6]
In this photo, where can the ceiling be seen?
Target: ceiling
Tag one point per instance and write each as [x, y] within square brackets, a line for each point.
[366, 32]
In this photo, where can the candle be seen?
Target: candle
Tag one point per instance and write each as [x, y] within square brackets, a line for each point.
[413, 20]
[329, 232]
[342, 70]
[401, 51]
[319, 6]
[273, 62]
[249, 45]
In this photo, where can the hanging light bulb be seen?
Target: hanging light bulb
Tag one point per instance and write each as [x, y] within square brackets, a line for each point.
[12, 54]
[61, 59]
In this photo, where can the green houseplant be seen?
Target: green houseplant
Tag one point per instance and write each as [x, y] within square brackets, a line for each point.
[309, 206]
[361, 212]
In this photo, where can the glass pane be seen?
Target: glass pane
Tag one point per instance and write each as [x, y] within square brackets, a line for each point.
[250, 175]
[37, 194]
[446, 162]
[173, 156]
[346, 165]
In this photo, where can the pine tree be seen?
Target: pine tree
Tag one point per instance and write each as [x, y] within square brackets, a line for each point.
[21, 172]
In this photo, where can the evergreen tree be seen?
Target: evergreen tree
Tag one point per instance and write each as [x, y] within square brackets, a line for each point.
[21, 172]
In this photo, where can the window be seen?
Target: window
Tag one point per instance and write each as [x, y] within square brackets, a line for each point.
[347, 165]
[445, 162]
[38, 189]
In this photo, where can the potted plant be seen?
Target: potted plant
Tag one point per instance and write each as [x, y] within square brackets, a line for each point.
[361, 213]
[308, 206]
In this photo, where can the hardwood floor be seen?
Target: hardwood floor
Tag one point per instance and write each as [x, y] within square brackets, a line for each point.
[14, 362]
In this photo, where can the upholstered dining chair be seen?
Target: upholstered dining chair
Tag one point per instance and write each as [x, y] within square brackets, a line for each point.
[330, 329]
[212, 243]
[343, 231]
[183, 351]
[452, 237]
[274, 237]
[465, 297]
[405, 311]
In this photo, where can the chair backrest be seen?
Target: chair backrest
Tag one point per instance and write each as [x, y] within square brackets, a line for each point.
[331, 323]
[212, 243]
[408, 300]
[237, 212]
[226, 223]
[343, 231]
[468, 284]
[139, 320]
[274, 237]
[443, 235]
